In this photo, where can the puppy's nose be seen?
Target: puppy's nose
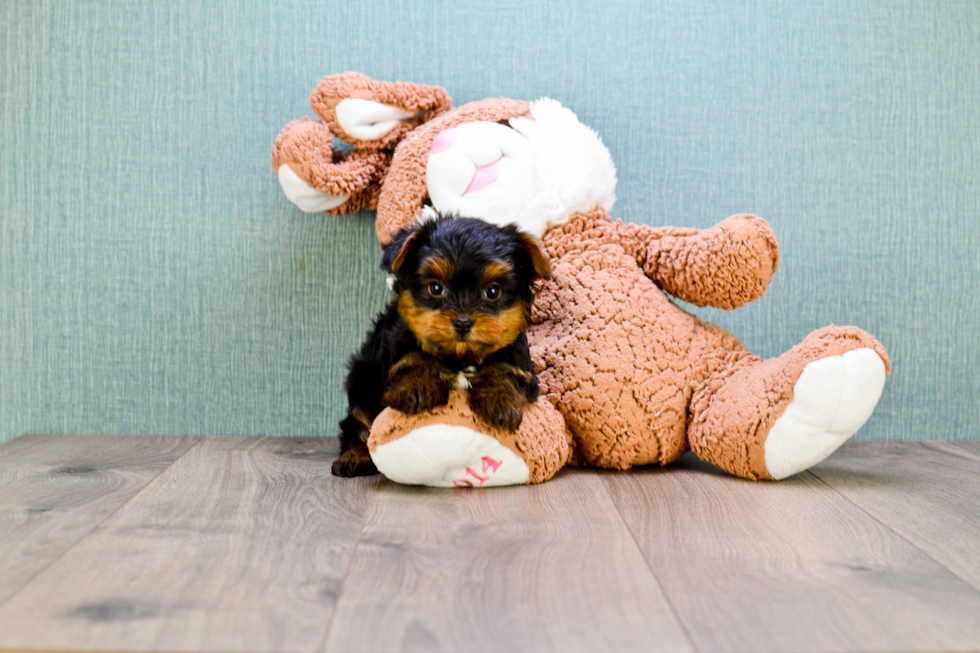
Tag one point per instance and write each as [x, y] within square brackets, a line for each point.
[463, 324]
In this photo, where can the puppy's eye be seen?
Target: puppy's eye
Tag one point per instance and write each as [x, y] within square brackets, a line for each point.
[492, 291]
[436, 289]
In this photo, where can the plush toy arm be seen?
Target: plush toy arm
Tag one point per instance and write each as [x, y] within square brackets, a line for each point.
[315, 177]
[370, 116]
[725, 266]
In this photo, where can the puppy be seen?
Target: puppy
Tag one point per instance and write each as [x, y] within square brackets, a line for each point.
[463, 290]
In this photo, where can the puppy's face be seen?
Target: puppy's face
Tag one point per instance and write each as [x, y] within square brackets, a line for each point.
[465, 286]
[462, 308]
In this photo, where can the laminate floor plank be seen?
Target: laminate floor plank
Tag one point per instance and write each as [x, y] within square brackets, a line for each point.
[970, 446]
[927, 492]
[543, 568]
[249, 544]
[788, 566]
[55, 489]
[241, 545]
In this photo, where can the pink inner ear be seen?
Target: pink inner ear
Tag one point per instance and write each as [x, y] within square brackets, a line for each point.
[484, 176]
[445, 140]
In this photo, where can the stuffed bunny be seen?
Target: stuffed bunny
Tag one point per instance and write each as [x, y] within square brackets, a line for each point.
[627, 377]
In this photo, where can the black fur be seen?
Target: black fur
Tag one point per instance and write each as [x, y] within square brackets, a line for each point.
[422, 380]
[471, 244]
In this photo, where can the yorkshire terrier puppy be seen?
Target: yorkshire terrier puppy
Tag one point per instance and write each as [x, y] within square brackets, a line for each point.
[463, 290]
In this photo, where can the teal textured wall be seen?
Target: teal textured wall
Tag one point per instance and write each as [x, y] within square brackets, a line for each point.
[154, 279]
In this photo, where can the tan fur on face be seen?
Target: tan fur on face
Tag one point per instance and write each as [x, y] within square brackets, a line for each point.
[502, 328]
[495, 270]
[435, 333]
[433, 329]
[440, 268]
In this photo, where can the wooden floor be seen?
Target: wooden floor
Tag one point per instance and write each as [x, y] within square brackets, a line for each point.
[249, 544]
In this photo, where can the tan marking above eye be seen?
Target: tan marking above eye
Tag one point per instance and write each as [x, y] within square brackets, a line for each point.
[440, 268]
[495, 270]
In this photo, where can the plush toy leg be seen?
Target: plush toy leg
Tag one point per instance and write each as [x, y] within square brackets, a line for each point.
[772, 419]
[450, 447]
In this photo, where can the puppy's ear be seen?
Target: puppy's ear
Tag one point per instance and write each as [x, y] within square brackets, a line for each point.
[542, 268]
[399, 249]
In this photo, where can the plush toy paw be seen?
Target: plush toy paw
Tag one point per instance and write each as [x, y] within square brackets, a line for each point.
[832, 399]
[306, 199]
[450, 456]
[451, 447]
[316, 178]
[303, 147]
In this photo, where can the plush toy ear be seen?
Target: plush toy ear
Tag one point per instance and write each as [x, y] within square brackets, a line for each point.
[542, 268]
[373, 115]
[399, 249]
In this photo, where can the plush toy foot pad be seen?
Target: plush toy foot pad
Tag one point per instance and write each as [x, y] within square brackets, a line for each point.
[832, 399]
[441, 455]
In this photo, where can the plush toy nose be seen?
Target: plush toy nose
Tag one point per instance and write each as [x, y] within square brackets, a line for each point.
[463, 324]
[445, 140]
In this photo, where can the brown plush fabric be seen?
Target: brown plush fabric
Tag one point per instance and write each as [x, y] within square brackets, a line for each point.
[405, 192]
[306, 147]
[542, 440]
[637, 379]
[610, 349]
[726, 266]
[738, 396]
[426, 102]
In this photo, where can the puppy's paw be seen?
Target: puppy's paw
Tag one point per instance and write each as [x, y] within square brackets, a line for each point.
[497, 401]
[502, 416]
[354, 462]
[414, 394]
[416, 384]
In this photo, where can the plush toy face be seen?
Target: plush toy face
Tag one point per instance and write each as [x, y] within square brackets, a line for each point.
[534, 172]
[504, 161]
[480, 169]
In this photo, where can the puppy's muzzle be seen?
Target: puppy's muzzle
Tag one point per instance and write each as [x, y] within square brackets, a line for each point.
[463, 325]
